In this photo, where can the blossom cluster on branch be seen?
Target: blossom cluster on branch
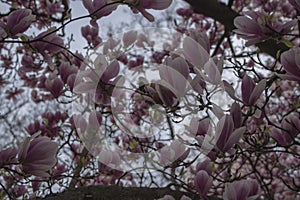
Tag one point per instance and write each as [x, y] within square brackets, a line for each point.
[194, 106]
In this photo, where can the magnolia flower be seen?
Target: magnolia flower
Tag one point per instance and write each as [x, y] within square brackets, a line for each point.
[91, 34]
[291, 125]
[8, 156]
[281, 137]
[226, 136]
[206, 165]
[290, 61]
[19, 21]
[129, 38]
[236, 114]
[198, 127]
[162, 94]
[142, 5]
[174, 75]
[173, 154]
[48, 42]
[195, 53]
[203, 182]
[55, 85]
[290, 128]
[249, 28]
[54, 7]
[257, 27]
[200, 37]
[37, 155]
[99, 8]
[296, 4]
[242, 190]
[66, 70]
[250, 91]
[109, 163]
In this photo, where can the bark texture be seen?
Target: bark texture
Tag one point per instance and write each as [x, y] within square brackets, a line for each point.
[120, 193]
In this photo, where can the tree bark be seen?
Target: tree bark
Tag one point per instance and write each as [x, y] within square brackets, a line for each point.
[114, 192]
[225, 15]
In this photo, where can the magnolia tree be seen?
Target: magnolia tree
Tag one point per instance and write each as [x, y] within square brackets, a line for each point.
[203, 105]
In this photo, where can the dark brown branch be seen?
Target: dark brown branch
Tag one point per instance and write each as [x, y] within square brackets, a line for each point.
[223, 14]
[117, 193]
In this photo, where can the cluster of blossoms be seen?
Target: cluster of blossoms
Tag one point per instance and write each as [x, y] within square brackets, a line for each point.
[245, 149]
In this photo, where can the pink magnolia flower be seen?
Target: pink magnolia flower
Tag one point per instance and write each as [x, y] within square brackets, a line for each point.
[175, 75]
[55, 85]
[281, 137]
[48, 42]
[65, 70]
[109, 163]
[200, 37]
[203, 182]
[226, 135]
[162, 94]
[236, 114]
[91, 34]
[142, 5]
[8, 156]
[194, 53]
[291, 124]
[99, 8]
[250, 91]
[290, 61]
[249, 28]
[257, 27]
[129, 38]
[37, 155]
[206, 165]
[54, 7]
[295, 3]
[213, 74]
[242, 190]
[95, 120]
[172, 155]
[198, 126]
[19, 21]
[290, 128]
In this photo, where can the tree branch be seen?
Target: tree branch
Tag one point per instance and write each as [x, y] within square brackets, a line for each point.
[223, 14]
[113, 192]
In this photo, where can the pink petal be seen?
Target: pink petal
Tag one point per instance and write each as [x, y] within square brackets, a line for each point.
[230, 91]
[258, 90]
[111, 71]
[236, 114]
[248, 86]
[229, 193]
[211, 69]
[194, 52]
[234, 138]
[203, 182]
[129, 38]
[160, 4]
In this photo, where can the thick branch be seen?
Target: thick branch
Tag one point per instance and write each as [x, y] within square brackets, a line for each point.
[225, 15]
[116, 193]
